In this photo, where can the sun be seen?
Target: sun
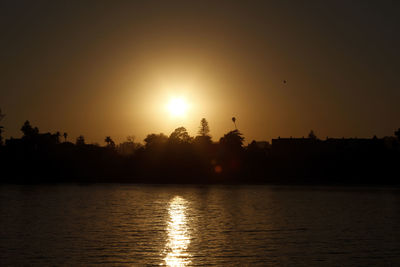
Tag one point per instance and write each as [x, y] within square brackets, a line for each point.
[177, 107]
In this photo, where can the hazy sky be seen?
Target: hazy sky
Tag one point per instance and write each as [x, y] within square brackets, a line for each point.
[102, 68]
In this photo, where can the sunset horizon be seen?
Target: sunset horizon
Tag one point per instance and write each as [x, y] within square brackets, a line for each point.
[199, 133]
[281, 68]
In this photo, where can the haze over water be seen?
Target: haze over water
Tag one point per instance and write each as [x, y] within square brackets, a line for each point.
[198, 225]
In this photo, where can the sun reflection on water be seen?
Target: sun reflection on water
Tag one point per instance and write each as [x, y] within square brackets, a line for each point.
[178, 234]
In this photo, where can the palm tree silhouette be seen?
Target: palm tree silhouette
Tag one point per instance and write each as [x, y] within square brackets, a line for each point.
[65, 137]
[110, 142]
[234, 122]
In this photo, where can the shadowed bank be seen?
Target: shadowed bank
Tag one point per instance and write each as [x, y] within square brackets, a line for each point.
[180, 158]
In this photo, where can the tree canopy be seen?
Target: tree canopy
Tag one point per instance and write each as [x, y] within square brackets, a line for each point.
[233, 139]
[180, 135]
[28, 130]
[204, 129]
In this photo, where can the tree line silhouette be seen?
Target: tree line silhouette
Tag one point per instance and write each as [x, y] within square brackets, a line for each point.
[180, 158]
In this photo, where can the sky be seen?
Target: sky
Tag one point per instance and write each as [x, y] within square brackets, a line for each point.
[110, 68]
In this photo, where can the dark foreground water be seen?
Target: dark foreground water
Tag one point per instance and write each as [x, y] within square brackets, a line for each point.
[198, 225]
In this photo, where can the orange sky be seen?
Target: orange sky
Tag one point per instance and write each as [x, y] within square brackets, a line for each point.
[109, 68]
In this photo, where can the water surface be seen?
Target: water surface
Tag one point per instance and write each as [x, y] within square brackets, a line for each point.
[198, 225]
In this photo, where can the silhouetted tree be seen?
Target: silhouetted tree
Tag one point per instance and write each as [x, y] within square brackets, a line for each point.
[203, 139]
[80, 140]
[154, 140]
[110, 142]
[180, 135]
[65, 137]
[230, 154]
[312, 135]
[28, 131]
[204, 128]
[234, 122]
[129, 147]
[233, 139]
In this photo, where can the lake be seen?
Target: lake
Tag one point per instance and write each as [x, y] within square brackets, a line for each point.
[173, 225]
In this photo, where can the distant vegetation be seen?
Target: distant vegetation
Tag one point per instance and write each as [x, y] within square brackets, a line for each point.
[181, 158]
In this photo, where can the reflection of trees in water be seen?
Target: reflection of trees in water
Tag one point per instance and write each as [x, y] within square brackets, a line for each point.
[178, 234]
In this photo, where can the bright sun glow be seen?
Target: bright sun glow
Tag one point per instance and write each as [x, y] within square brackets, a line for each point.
[177, 107]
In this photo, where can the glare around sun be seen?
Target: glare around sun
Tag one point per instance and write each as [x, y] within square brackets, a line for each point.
[177, 107]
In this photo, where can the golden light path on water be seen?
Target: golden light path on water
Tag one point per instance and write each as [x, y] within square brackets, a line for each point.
[178, 234]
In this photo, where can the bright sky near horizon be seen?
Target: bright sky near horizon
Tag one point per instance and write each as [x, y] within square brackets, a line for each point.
[113, 68]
